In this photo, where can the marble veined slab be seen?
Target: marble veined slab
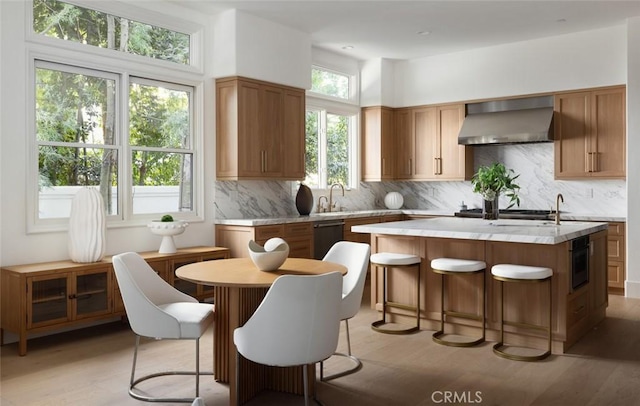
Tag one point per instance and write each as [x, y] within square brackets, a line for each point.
[521, 231]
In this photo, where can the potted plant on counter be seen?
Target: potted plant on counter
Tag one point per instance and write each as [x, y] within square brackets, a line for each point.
[490, 182]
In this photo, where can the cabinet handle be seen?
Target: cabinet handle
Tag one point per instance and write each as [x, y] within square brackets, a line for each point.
[439, 166]
[383, 165]
[589, 161]
[594, 162]
[262, 161]
[410, 166]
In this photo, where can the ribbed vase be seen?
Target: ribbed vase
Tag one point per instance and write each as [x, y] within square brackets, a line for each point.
[87, 226]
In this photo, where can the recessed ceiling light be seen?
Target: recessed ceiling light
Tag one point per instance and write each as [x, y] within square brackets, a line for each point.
[347, 47]
[424, 32]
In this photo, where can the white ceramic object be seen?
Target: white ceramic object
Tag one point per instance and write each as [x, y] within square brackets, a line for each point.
[167, 229]
[393, 200]
[87, 225]
[271, 256]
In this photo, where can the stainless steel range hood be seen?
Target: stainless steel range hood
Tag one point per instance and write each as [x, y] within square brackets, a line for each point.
[508, 122]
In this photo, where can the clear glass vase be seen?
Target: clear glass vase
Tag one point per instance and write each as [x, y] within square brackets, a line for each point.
[490, 209]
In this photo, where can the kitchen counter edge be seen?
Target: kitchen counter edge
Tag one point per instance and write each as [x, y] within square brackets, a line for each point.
[384, 212]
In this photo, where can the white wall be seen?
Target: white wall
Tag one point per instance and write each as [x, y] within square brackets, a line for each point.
[586, 59]
[260, 49]
[632, 286]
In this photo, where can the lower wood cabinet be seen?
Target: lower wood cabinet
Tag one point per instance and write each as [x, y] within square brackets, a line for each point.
[299, 236]
[616, 256]
[51, 295]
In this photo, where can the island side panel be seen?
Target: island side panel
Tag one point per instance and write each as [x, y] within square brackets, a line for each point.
[463, 293]
[401, 286]
[528, 302]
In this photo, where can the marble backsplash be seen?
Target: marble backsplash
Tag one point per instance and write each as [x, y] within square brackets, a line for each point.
[534, 163]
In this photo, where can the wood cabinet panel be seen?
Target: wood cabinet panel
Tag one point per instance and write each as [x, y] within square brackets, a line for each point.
[255, 120]
[299, 236]
[590, 134]
[378, 149]
[616, 257]
[427, 144]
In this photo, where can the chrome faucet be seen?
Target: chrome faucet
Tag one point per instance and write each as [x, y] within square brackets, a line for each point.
[319, 209]
[331, 194]
[558, 199]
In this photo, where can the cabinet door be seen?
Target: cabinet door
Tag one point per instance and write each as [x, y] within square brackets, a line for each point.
[608, 128]
[92, 293]
[250, 147]
[425, 129]
[404, 144]
[572, 117]
[294, 134]
[453, 162]
[271, 139]
[377, 143]
[47, 300]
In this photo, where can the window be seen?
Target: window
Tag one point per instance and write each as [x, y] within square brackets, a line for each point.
[331, 133]
[69, 22]
[129, 135]
[329, 83]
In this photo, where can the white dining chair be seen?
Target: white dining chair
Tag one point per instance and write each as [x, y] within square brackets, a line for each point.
[297, 323]
[354, 256]
[157, 310]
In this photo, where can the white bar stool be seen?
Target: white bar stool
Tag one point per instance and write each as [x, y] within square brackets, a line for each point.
[522, 274]
[455, 266]
[393, 260]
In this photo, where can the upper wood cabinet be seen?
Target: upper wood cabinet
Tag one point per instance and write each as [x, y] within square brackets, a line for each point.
[590, 134]
[378, 128]
[259, 130]
[427, 144]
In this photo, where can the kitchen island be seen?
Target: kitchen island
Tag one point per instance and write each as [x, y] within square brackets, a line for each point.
[524, 242]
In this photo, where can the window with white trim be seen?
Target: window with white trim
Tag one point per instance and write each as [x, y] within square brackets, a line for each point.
[118, 129]
[331, 154]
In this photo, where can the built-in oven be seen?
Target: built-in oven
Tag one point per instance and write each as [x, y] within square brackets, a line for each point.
[579, 262]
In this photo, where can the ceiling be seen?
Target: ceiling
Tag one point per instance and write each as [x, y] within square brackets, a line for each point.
[390, 29]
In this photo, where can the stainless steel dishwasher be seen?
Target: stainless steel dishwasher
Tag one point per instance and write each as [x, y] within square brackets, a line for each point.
[325, 234]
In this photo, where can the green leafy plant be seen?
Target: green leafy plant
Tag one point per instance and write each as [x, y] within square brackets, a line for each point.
[166, 218]
[491, 181]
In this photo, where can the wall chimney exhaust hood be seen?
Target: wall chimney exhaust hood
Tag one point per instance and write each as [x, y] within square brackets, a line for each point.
[512, 121]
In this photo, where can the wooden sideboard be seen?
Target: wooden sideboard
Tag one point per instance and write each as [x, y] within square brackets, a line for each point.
[52, 295]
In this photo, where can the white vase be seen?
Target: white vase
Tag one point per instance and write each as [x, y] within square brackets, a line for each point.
[87, 226]
[393, 200]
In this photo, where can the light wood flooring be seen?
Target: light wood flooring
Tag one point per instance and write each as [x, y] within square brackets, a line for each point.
[92, 366]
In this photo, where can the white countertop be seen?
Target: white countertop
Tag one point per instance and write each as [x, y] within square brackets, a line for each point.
[251, 222]
[521, 231]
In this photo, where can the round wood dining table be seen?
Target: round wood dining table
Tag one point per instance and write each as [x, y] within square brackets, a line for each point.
[239, 287]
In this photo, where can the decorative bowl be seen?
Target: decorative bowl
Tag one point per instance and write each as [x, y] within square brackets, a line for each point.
[271, 256]
[167, 229]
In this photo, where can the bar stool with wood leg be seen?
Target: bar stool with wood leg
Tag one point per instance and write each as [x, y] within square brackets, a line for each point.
[454, 266]
[393, 260]
[523, 274]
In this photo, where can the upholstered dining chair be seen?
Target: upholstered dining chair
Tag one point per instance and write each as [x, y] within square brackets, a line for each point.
[354, 256]
[157, 310]
[297, 323]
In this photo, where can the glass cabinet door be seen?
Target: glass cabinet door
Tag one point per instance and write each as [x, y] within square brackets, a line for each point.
[92, 293]
[47, 300]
